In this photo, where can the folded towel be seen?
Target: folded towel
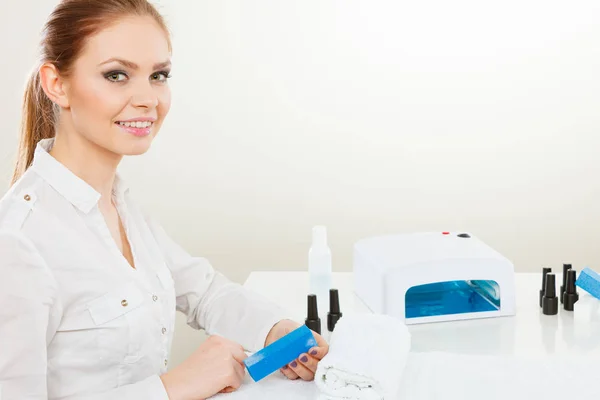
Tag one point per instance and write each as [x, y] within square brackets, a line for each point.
[366, 359]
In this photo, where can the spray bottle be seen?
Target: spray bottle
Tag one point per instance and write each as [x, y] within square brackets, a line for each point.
[319, 269]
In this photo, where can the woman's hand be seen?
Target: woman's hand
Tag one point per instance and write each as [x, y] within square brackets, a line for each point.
[216, 366]
[305, 366]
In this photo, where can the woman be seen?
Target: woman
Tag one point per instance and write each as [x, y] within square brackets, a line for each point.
[89, 285]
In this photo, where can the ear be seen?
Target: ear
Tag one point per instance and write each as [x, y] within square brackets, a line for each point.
[53, 85]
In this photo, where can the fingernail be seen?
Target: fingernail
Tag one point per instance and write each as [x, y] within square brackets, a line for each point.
[285, 367]
[294, 364]
[304, 359]
[314, 352]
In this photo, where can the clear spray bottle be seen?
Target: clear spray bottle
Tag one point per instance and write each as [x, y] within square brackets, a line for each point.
[319, 269]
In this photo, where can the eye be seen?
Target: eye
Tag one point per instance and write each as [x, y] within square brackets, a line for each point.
[161, 76]
[116, 76]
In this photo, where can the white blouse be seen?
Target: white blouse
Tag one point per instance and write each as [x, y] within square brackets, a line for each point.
[76, 321]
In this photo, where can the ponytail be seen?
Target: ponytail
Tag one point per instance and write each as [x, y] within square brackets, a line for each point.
[38, 121]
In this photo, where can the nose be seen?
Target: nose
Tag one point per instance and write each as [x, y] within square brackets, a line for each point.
[145, 96]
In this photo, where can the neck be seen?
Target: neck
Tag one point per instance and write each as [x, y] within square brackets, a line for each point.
[90, 162]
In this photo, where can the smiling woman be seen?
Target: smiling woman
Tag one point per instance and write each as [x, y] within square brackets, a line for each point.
[110, 66]
[89, 284]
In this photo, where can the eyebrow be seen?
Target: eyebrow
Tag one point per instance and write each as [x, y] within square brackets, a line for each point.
[132, 65]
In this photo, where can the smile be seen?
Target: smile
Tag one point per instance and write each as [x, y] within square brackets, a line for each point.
[136, 124]
[136, 128]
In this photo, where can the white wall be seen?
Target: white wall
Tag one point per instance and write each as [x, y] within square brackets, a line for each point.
[370, 117]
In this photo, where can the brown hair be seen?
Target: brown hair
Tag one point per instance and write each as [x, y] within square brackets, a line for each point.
[63, 38]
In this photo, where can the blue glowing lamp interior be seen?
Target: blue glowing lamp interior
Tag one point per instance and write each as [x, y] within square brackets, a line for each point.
[452, 297]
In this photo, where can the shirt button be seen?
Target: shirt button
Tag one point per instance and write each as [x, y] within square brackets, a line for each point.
[164, 330]
[155, 297]
[27, 197]
[124, 303]
[165, 362]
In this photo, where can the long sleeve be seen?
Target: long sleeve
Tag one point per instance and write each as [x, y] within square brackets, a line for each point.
[27, 302]
[214, 303]
[29, 315]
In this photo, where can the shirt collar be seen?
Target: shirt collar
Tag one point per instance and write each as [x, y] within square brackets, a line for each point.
[120, 187]
[66, 183]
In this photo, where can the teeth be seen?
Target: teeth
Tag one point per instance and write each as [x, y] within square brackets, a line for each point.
[136, 124]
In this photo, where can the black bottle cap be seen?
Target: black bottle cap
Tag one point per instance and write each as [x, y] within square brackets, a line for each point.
[545, 271]
[570, 296]
[566, 267]
[334, 313]
[313, 321]
[550, 301]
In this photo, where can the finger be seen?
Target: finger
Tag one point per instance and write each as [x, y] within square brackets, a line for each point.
[318, 352]
[236, 349]
[240, 370]
[309, 362]
[235, 377]
[238, 353]
[321, 342]
[289, 373]
[235, 380]
[303, 372]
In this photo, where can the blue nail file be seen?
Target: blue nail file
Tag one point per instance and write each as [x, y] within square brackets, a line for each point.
[589, 281]
[280, 353]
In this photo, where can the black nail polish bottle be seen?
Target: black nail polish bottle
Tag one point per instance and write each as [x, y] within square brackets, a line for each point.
[550, 301]
[545, 271]
[313, 321]
[571, 295]
[566, 267]
[334, 313]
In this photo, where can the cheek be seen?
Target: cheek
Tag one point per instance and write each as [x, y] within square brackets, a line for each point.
[96, 103]
[164, 102]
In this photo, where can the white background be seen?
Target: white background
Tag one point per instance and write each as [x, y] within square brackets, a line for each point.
[370, 117]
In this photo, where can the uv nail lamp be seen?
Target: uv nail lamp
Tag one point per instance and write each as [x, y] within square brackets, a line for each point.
[431, 277]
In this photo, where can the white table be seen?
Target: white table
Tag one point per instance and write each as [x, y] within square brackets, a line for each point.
[529, 332]
[464, 370]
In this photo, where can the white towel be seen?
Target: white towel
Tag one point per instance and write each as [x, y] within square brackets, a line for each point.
[366, 359]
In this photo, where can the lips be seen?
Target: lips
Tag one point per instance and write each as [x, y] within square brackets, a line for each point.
[136, 128]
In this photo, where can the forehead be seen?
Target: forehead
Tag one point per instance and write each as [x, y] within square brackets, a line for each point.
[137, 39]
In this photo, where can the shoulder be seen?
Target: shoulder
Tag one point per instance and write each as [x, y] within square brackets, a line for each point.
[18, 202]
[22, 268]
[21, 265]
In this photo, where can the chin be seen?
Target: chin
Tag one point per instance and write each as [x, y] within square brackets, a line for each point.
[137, 149]
[134, 146]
